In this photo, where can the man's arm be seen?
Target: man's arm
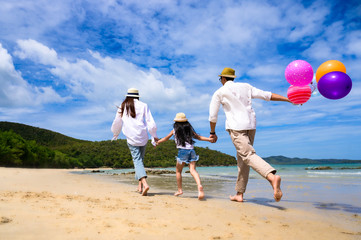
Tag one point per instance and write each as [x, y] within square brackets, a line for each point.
[276, 97]
[213, 134]
[213, 115]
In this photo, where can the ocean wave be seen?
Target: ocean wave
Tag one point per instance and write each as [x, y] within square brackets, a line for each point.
[334, 173]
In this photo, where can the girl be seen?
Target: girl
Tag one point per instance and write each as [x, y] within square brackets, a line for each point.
[183, 134]
[134, 118]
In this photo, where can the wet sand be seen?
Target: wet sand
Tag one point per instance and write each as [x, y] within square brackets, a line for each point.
[55, 204]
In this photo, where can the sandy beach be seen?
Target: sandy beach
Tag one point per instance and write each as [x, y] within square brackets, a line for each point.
[56, 204]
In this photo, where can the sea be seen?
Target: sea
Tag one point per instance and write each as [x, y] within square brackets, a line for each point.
[316, 187]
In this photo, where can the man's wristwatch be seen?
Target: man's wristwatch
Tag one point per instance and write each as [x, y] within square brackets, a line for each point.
[212, 133]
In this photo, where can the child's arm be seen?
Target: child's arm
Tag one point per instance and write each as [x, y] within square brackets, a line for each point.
[166, 138]
[199, 137]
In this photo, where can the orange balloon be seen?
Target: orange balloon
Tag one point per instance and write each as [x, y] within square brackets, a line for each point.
[329, 66]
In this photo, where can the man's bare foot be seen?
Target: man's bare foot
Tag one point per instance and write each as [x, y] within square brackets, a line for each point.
[139, 190]
[276, 184]
[238, 197]
[179, 192]
[200, 193]
[145, 190]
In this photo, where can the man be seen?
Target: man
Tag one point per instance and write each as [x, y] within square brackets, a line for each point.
[236, 99]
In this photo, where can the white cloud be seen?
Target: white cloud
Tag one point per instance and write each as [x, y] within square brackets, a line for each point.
[36, 51]
[107, 79]
[22, 18]
[321, 50]
[304, 22]
[267, 70]
[15, 91]
[353, 43]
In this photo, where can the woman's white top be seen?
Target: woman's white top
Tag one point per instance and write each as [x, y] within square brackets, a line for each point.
[236, 100]
[135, 129]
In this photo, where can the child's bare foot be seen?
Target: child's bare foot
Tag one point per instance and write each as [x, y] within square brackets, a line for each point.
[145, 190]
[238, 197]
[179, 192]
[200, 193]
[276, 184]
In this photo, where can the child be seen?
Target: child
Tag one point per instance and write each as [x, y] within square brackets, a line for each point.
[183, 134]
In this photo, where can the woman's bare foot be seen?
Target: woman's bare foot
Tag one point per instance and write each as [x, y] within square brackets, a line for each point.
[140, 186]
[238, 197]
[276, 184]
[200, 193]
[145, 190]
[179, 192]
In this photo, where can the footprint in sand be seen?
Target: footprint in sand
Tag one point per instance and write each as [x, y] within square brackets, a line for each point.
[5, 220]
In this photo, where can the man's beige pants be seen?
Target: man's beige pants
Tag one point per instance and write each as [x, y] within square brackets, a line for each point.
[247, 157]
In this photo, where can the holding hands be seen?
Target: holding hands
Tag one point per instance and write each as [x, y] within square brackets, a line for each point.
[213, 138]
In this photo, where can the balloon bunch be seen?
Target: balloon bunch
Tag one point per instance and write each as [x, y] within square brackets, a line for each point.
[332, 80]
[299, 74]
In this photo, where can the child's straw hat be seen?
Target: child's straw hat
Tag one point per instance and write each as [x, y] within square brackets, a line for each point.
[180, 117]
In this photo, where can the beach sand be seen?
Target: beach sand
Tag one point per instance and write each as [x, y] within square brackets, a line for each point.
[56, 204]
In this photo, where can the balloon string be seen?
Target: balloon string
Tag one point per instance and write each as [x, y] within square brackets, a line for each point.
[313, 87]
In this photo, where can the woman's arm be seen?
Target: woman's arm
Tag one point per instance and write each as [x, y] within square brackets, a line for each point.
[151, 126]
[166, 138]
[116, 126]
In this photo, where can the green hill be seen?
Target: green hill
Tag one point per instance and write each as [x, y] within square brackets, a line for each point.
[26, 146]
[41, 136]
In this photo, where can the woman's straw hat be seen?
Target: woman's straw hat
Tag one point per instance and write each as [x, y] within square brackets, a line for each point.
[180, 117]
[228, 72]
[132, 92]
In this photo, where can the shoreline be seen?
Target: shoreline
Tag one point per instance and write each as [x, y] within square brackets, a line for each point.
[301, 191]
[56, 204]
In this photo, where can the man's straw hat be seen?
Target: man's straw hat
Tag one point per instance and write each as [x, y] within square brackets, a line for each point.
[180, 117]
[228, 72]
[132, 92]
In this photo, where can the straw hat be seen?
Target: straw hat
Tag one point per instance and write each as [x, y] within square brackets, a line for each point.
[180, 117]
[132, 92]
[228, 72]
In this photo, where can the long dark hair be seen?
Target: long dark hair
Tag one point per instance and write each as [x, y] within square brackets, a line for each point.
[183, 132]
[128, 104]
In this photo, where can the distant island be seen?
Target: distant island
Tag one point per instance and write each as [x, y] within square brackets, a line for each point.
[281, 160]
[27, 146]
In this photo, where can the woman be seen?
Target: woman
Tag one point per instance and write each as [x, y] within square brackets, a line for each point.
[134, 118]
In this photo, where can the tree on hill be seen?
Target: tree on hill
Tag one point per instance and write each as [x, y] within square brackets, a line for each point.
[26, 146]
[39, 135]
[17, 152]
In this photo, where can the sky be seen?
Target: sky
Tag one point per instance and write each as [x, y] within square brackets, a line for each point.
[65, 65]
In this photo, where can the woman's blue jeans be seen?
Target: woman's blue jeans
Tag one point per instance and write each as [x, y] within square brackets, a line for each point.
[137, 153]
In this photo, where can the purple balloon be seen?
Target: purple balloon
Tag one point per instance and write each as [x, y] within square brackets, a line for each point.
[334, 85]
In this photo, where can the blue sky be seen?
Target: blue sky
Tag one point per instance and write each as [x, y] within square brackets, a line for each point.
[64, 65]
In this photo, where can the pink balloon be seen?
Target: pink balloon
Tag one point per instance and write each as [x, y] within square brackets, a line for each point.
[299, 73]
[299, 94]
